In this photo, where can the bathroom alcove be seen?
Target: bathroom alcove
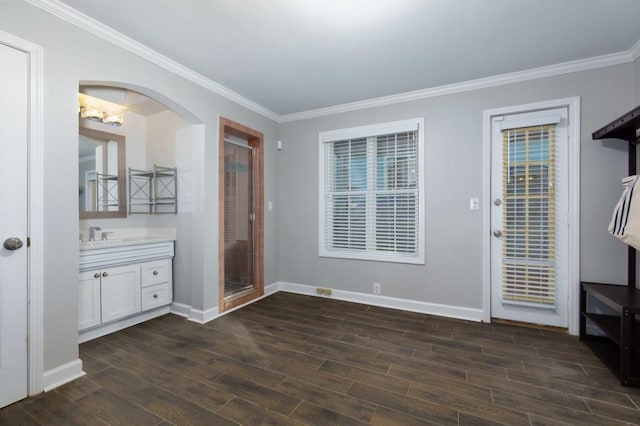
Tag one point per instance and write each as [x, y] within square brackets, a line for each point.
[160, 131]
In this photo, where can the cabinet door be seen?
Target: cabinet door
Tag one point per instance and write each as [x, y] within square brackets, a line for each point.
[89, 300]
[120, 291]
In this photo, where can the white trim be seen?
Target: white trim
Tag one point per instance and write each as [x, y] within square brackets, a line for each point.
[634, 51]
[448, 311]
[573, 273]
[624, 57]
[79, 19]
[103, 330]
[373, 130]
[68, 14]
[203, 317]
[508, 124]
[180, 309]
[409, 125]
[62, 374]
[36, 211]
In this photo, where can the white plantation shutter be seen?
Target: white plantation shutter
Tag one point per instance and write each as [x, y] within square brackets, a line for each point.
[370, 193]
[529, 219]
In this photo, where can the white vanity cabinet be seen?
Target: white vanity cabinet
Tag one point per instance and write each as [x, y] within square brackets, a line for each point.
[122, 285]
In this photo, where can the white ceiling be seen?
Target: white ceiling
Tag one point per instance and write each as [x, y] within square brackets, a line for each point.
[297, 55]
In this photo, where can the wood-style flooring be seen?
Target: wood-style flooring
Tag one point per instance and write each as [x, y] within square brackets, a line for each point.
[292, 359]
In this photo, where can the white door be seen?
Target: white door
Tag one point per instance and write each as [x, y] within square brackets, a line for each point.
[529, 214]
[13, 225]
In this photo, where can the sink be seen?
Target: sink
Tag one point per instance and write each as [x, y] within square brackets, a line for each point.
[129, 237]
[124, 241]
[100, 243]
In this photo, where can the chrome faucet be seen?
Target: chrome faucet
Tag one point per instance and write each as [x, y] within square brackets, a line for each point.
[92, 232]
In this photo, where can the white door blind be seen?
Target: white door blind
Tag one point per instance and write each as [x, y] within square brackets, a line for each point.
[371, 195]
[529, 194]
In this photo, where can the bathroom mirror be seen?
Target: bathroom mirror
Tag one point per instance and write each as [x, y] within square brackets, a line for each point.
[102, 174]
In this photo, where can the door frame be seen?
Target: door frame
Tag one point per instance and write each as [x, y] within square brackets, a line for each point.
[35, 219]
[255, 140]
[573, 247]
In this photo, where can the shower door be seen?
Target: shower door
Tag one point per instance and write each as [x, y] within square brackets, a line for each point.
[239, 219]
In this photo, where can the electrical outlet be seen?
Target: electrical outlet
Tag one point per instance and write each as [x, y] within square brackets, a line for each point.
[376, 288]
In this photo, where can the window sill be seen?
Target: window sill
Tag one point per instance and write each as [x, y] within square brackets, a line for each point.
[372, 257]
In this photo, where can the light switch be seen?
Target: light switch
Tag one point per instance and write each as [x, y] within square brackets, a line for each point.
[474, 203]
[269, 205]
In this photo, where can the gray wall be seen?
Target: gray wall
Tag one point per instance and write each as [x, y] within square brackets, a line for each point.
[453, 137]
[72, 55]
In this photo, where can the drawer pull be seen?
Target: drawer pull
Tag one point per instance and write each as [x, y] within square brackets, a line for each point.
[96, 275]
[155, 272]
[104, 274]
[155, 295]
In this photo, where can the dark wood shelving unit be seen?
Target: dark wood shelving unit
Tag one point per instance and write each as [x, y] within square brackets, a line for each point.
[619, 349]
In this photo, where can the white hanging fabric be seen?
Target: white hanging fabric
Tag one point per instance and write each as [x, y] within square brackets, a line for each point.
[625, 221]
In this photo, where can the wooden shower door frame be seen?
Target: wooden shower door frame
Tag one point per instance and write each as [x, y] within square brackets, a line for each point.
[256, 141]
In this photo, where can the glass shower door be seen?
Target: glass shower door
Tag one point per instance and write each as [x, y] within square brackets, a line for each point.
[238, 219]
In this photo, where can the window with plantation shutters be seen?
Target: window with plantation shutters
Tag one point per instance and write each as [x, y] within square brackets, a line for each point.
[371, 193]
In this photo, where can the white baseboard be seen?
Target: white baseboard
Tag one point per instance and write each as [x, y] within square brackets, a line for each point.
[471, 314]
[94, 333]
[180, 309]
[449, 311]
[202, 317]
[271, 288]
[62, 374]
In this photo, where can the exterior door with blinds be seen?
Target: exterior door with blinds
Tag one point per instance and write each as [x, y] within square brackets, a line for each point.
[529, 214]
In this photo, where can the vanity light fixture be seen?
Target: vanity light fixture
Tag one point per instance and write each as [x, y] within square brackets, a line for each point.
[113, 119]
[90, 113]
[99, 110]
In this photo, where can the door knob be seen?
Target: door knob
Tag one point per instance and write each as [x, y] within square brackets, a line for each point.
[104, 274]
[497, 201]
[497, 233]
[12, 243]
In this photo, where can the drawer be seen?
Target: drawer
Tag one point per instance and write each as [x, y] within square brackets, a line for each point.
[155, 295]
[156, 272]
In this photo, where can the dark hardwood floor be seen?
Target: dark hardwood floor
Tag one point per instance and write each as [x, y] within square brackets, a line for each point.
[291, 359]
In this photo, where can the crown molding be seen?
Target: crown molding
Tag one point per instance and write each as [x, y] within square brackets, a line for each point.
[482, 83]
[634, 51]
[71, 15]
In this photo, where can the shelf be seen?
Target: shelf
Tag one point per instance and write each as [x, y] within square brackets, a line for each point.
[153, 191]
[626, 127]
[615, 296]
[609, 324]
[619, 347]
